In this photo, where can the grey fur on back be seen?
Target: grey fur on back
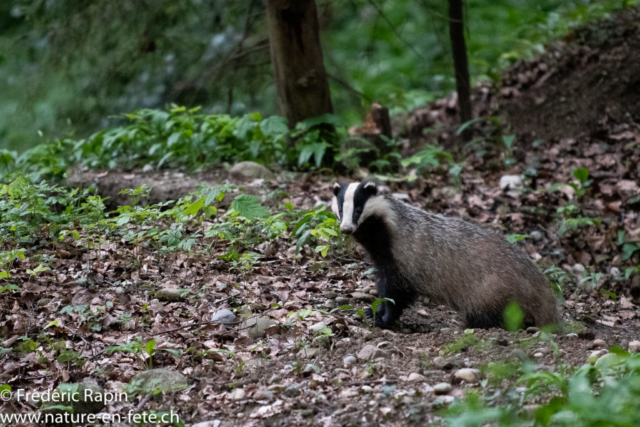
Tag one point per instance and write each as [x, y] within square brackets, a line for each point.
[462, 265]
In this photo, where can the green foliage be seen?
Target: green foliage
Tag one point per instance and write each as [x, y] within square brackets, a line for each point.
[513, 238]
[376, 303]
[513, 317]
[468, 339]
[430, 156]
[602, 394]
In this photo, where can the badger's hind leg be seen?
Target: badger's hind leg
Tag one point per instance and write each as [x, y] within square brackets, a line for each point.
[387, 312]
[487, 320]
[483, 320]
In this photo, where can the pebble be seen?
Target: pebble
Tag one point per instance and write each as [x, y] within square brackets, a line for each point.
[596, 354]
[263, 395]
[361, 296]
[538, 355]
[415, 377]
[578, 269]
[471, 376]
[342, 300]
[315, 328]
[536, 235]
[237, 394]
[119, 290]
[634, 347]
[366, 389]
[532, 330]
[349, 361]
[510, 182]
[373, 292]
[443, 401]
[597, 343]
[308, 353]
[224, 316]
[442, 388]
[572, 335]
[292, 391]
[371, 352]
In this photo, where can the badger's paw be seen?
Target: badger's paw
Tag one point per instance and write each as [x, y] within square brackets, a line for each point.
[380, 317]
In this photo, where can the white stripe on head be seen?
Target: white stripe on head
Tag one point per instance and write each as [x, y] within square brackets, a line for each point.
[334, 207]
[347, 207]
[379, 206]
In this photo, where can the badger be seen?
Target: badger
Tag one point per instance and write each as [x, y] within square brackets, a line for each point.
[449, 260]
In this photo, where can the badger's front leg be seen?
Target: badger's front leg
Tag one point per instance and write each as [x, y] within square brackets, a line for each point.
[387, 312]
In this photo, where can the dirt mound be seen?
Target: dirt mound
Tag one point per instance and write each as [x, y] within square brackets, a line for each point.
[590, 82]
[587, 84]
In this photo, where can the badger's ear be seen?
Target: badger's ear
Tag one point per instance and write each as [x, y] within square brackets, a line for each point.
[336, 189]
[371, 188]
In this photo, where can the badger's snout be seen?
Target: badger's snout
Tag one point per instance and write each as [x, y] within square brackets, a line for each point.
[347, 228]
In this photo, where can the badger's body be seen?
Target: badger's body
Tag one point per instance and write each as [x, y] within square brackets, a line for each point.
[451, 261]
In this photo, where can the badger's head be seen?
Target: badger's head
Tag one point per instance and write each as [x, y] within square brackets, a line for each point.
[353, 203]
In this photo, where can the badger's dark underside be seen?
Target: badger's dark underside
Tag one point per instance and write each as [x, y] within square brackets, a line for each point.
[374, 236]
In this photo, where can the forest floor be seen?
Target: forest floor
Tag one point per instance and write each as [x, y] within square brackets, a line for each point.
[289, 354]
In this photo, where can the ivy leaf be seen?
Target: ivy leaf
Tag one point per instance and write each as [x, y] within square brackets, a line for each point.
[249, 207]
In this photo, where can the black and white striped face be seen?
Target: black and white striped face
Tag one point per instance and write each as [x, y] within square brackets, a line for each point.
[350, 202]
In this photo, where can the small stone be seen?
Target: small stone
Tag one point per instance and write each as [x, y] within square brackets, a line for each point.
[439, 362]
[388, 334]
[366, 389]
[308, 353]
[119, 290]
[248, 171]
[442, 388]
[597, 343]
[594, 355]
[163, 379]
[536, 235]
[171, 294]
[86, 397]
[224, 316]
[572, 335]
[369, 352]
[292, 391]
[361, 296]
[44, 301]
[263, 395]
[578, 269]
[470, 376]
[422, 312]
[349, 361]
[442, 401]
[257, 327]
[538, 355]
[315, 328]
[147, 168]
[342, 300]
[373, 292]
[510, 182]
[532, 330]
[415, 377]
[634, 347]
[237, 394]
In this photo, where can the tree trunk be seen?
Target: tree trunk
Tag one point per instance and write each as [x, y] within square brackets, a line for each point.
[460, 63]
[296, 55]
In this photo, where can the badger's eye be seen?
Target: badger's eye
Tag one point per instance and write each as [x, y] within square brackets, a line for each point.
[358, 210]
